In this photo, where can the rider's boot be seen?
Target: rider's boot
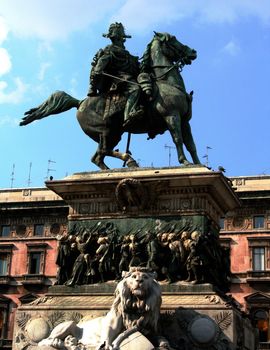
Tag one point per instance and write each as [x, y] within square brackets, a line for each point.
[132, 117]
[133, 111]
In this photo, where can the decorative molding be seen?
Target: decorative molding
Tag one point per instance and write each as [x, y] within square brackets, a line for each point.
[213, 299]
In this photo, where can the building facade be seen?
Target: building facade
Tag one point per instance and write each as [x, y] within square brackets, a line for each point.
[32, 219]
[246, 232]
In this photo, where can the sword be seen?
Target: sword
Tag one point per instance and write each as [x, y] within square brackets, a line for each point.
[121, 79]
[127, 147]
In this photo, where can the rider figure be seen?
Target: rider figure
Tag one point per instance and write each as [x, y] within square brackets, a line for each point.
[115, 60]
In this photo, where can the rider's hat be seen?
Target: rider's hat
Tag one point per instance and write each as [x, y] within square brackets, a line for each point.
[116, 29]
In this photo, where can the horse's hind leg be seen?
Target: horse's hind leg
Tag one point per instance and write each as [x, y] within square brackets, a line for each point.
[189, 142]
[101, 152]
[98, 159]
[174, 126]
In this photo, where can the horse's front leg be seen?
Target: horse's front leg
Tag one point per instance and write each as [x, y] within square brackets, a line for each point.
[189, 142]
[174, 127]
[125, 157]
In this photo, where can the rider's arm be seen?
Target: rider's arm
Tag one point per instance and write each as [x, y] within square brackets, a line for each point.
[102, 62]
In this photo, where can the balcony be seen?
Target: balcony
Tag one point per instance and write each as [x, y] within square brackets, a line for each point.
[33, 279]
[5, 344]
[263, 346]
[4, 279]
[258, 276]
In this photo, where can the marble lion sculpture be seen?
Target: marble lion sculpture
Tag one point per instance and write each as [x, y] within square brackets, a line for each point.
[136, 307]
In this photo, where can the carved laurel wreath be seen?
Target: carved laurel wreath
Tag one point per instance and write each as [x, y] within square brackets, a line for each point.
[131, 193]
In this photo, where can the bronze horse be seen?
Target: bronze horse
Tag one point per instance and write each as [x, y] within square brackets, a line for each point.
[168, 109]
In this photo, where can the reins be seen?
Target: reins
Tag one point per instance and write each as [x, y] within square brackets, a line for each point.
[179, 64]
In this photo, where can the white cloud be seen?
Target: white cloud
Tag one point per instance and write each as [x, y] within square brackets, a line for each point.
[43, 68]
[5, 61]
[3, 30]
[44, 47]
[231, 48]
[50, 19]
[14, 96]
[140, 15]
[9, 121]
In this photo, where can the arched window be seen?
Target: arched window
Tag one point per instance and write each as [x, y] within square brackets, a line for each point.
[262, 323]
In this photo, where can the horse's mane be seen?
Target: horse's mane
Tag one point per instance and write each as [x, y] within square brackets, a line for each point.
[145, 66]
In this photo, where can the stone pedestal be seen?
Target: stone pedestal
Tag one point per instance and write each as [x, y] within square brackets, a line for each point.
[132, 201]
[195, 316]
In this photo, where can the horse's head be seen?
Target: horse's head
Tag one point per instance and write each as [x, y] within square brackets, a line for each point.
[173, 49]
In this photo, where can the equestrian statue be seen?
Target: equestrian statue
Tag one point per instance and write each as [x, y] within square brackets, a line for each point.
[133, 96]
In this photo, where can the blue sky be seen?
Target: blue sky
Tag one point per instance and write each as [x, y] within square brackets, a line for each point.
[48, 45]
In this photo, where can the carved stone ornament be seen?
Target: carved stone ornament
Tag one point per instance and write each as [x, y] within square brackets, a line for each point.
[21, 230]
[224, 319]
[239, 223]
[203, 331]
[131, 194]
[139, 286]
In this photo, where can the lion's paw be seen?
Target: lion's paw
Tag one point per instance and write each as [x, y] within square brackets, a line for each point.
[54, 342]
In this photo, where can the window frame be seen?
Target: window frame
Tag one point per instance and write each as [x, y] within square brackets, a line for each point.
[2, 229]
[33, 248]
[222, 223]
[258, 227]
[6, 249]
[4, 307]
[261, 261]
[36, 228]
[259, 242]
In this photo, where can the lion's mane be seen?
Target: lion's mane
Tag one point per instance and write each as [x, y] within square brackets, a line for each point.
[143, 311]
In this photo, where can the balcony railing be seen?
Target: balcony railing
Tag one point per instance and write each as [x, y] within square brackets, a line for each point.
[33, 279]
[263, 346]
[258, 275]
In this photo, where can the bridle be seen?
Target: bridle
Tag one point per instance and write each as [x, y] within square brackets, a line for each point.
[178, 64]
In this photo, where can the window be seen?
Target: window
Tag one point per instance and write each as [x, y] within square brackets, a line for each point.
[258, 258]
[38, 230]
[36, 254]
[222, 223]
[4, 307]
[4, 262]
[34, 263]
[262, 323]
[258, 221]
[5, 231]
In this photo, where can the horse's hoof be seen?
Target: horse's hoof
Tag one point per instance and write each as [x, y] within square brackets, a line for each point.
[132, 164]
[185, 162]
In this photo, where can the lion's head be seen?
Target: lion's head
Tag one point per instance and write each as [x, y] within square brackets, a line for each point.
[138, 299]
[139, 283]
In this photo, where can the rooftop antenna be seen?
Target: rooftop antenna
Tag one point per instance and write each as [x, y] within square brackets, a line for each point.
[49, 169]
[170, 152]
[12, 176]
[206, 156]
[29, 175]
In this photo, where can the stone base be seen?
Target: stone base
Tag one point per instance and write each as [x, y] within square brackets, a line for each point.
[193, 315]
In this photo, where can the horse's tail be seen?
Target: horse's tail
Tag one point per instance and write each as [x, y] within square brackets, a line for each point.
[58, 102]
